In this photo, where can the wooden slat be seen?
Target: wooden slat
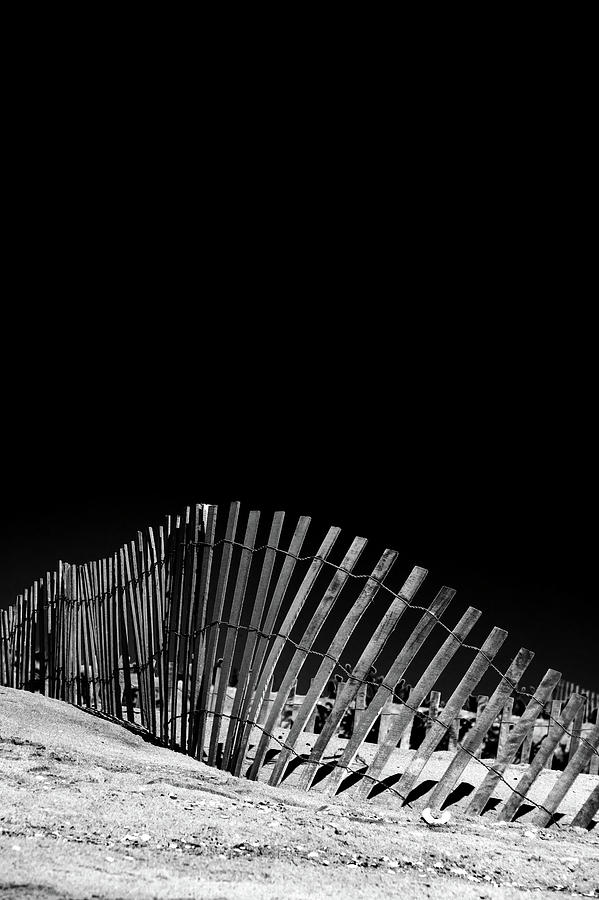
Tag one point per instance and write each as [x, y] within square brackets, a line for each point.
[124, 633]
[4, 649]
[25, 640]
[70, 638]
[576, 765]
[251, 710]
[154, 631]
[402, 725]
[554, 713]
[97, 687]
[34, 636]
[481, 705]
[284, 631]
[348, 689]
[167, 539]
[49, 600]
[207, 532]
[476, 735]
[188, 622]
[433, 708]
[102, 669]
[156, 562]
[310, 634]
[511, 806]
[53, 624]
[475, 672]
[171, 536]
[526, 747]
[106, 611]
[81, 674]
[584, 816]
[89, 684]
[216, 613]
[327, 665]
[233, 618]
[187, 615]
[386, 690]
[176, 605]
[258, 605]
[522, 728]
[138, 553]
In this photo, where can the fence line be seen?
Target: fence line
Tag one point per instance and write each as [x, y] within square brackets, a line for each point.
[188, 608]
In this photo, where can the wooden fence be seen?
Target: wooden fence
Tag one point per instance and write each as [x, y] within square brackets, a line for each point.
[189, 627]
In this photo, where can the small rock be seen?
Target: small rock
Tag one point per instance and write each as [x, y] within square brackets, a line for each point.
[312, 854]
[144, 837]
[109, 858]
